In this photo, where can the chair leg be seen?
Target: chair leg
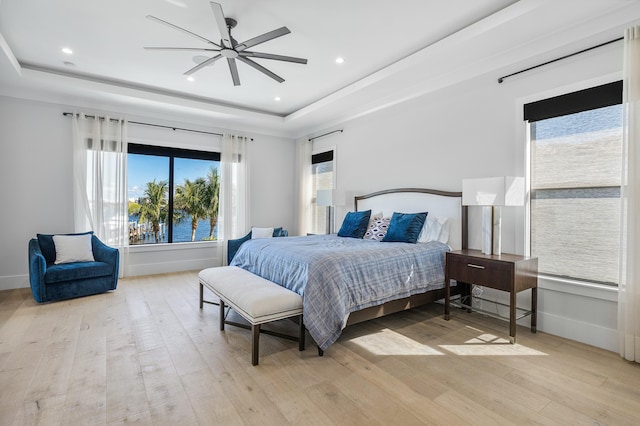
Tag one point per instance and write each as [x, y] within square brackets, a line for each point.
[255, 338]
[221, 315]
[201, 295]
[301, 337]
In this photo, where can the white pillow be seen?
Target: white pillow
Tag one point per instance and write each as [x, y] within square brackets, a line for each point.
[435, 229]
[261, 233]
[73, 248]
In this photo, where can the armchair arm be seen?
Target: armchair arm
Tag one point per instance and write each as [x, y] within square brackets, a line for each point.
[234, 245]
[37, 269]
[105, 253]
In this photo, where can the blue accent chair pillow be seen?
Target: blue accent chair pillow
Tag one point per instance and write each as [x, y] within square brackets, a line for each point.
[405, 227]
[355, 224]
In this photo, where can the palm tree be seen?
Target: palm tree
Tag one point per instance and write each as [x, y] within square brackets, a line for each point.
[190, 199]
[212, 198]
[153, 205]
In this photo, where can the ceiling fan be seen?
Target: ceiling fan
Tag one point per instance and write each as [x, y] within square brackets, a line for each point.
[229, 48]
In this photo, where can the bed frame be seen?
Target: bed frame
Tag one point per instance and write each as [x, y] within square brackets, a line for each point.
[413, 200]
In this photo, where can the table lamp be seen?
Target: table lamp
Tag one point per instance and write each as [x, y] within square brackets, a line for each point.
[492, 193]
[324, 198]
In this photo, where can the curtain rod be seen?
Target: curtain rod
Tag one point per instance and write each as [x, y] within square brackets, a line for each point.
[326, 134]
[154, 125]
[501, 79]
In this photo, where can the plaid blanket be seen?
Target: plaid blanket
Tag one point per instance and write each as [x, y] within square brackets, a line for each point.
[336, 275]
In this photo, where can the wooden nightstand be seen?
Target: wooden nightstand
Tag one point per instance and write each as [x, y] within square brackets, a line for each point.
[506, 272]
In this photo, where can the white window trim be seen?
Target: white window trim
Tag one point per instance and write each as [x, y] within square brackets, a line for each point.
[578, 288]
[186, 245]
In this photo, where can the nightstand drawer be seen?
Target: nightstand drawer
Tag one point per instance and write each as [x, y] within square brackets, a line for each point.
[484, 272]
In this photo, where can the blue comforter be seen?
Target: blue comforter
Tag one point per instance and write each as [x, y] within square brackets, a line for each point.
[336, 276]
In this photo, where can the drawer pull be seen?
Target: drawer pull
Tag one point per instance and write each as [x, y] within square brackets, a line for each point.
[471, 265]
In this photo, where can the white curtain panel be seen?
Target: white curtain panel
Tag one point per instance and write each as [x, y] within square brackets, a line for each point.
[100, 180]
[629, 288]
[303, 177]
[234, 196]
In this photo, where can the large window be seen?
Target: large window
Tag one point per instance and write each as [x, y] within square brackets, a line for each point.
[173, 194]
[575, 152]
[322, 177]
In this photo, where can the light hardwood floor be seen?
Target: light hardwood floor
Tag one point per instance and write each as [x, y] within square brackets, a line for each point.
[145, 353]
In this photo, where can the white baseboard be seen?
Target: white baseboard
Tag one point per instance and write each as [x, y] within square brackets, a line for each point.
[14, 281]
[591, 334]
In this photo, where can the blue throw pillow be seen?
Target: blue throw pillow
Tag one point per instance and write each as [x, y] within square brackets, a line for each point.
[355, 224]
[405, 227]
[48, 248]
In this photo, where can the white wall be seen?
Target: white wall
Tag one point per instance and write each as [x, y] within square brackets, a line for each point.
[36, 191]
[475, 129]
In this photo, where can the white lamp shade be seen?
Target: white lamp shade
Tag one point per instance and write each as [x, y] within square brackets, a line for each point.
[497, 191]
[324, 197]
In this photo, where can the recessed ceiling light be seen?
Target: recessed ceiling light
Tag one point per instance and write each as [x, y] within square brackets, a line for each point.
[339, 60]
[190, 78]
[67, 50]
[277, 98]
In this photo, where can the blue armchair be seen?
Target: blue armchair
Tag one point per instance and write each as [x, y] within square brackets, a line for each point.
[234, 245]
[50, 281]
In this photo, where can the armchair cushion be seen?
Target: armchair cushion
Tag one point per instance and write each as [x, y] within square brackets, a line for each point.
[76, 271]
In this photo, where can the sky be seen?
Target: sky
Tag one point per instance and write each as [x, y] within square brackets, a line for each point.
[144, 168]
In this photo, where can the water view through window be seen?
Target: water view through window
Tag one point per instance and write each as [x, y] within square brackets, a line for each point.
[172, 198]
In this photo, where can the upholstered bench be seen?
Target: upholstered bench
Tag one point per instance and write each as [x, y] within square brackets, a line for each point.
[254, 298]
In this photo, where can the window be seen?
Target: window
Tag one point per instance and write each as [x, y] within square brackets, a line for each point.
[575, 152]
[173, 194]
[322, 177]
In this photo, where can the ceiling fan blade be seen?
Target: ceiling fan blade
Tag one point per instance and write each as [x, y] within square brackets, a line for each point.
[262, 38]
[260, 68]
[222, 24]
[234, 71]
[246, 53]
[203, 64]
[161, 21]
[198, 49]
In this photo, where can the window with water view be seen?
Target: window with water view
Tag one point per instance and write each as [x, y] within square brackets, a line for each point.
[575, 193]
[173, 195]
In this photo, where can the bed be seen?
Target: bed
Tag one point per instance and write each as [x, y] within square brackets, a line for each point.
[344, 281]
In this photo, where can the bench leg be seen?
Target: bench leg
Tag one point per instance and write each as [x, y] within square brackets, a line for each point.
[221, 315]
[255, 338]
[301, 337]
